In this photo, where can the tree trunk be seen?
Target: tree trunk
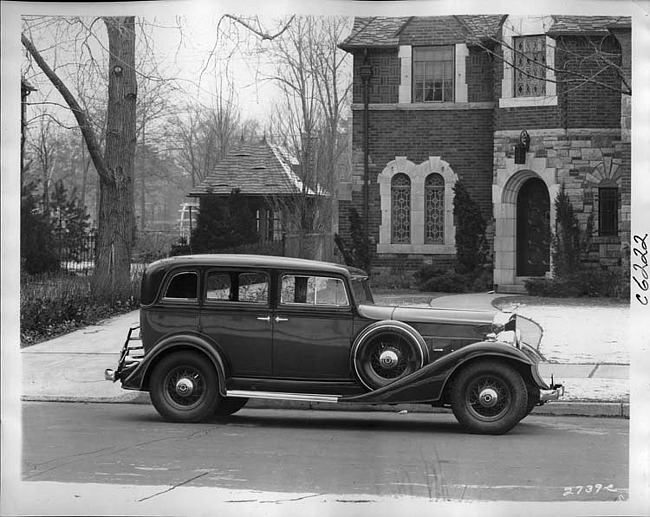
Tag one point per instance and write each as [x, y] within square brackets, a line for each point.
[116, 221]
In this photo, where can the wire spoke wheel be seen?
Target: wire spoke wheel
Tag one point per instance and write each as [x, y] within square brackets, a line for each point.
[488, 397]
[184, 387]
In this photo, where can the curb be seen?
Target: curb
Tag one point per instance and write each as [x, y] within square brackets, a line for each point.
[585, 409]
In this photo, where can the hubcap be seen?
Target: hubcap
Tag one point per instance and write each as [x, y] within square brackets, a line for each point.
[184, 387]
[488, 397]
[388, 359]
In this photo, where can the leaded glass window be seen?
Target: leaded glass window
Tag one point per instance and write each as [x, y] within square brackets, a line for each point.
[530, 66]
[401, 209]
[433, 74]
[434, 206]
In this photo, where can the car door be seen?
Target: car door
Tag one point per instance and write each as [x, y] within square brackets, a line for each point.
[312, 328]
[236, 314]
[177, 309]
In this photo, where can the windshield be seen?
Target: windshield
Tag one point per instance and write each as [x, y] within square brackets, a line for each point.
[362, 293]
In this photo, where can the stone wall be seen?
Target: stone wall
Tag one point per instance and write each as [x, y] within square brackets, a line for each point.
[583, 160]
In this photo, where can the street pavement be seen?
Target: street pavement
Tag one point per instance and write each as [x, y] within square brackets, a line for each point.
[70, 368]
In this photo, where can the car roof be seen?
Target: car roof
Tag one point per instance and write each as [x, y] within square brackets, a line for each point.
[251, 261]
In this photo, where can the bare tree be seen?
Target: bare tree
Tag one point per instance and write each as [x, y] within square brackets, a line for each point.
[202, 136]
[114, 163]
[313, 75]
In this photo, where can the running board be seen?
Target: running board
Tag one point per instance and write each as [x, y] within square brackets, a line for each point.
[275, 395]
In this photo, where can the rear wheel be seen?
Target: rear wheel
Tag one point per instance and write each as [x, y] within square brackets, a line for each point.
[184, 387]
[489, 397]
[229, 406]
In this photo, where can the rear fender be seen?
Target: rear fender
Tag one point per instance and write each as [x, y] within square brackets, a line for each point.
[138, 379]
[428, 383]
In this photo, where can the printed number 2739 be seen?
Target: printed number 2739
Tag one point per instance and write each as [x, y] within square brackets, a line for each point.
[588, 489]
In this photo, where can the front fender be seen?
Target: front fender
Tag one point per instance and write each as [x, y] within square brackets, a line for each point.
[428, 383]
[138, 378]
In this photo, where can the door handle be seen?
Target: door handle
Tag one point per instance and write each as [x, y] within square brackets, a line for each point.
[278, 319]
[264, 318]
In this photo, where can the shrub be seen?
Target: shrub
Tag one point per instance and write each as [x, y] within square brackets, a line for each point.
[433, 279]
[588, 283]
[471, 244]
[552, 287]
[54, 304]
[357, 253]
[566, 243]
[38, 251]
[223, 224]
[180, 247]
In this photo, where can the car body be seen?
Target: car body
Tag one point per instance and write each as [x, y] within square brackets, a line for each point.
[217, 330]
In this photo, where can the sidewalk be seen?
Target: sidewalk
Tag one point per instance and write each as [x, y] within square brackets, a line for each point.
[592, 363]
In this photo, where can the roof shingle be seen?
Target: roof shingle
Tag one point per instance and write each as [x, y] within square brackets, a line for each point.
[253, 169]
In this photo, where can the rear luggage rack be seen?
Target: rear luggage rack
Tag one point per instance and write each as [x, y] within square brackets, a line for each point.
[127, 360]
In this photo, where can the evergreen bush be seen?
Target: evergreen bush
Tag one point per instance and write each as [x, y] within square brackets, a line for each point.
[356, 254]
[471, 244]
[566, 243]
[470, 272]
[38, 250]
[221, 225]
[570, 278]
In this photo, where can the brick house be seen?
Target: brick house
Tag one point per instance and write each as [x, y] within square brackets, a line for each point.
[459, 98]
[267, 177]
[270, 180]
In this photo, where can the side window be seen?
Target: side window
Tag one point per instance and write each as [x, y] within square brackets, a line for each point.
[253, 288]
[237, 287]
[183, 286]
[313, 290]
[218, 287]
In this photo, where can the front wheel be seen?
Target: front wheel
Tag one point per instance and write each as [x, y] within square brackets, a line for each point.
[489, 397]
[184, 387]
[533, 398]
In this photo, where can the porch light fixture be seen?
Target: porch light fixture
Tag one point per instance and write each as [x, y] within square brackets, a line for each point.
[521, 148]
[365, 71]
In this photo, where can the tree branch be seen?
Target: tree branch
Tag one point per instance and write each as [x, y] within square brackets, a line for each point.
[80, 115]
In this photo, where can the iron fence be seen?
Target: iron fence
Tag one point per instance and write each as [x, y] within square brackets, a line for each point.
[78, 254]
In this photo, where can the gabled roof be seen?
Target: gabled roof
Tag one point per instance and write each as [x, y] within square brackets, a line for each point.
[374, 32]
[384, 32]
[254, 169]
[586, 25]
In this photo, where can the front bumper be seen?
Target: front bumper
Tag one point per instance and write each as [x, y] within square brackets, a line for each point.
[130, 356]
[556, 391]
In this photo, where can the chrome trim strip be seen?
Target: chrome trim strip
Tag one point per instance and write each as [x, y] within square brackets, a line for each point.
[274, 395]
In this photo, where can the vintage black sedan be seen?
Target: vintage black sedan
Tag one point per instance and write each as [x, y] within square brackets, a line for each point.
[217, 330]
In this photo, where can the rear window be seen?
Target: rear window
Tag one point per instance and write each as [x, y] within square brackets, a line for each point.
[182, 286]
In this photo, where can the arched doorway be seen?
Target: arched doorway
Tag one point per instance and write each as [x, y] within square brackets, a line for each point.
[533, 229]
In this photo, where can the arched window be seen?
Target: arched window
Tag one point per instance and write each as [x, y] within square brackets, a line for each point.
[401, 209]
[434, 209]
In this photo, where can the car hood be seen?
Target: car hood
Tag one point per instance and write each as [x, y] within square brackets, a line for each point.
[427, 315]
